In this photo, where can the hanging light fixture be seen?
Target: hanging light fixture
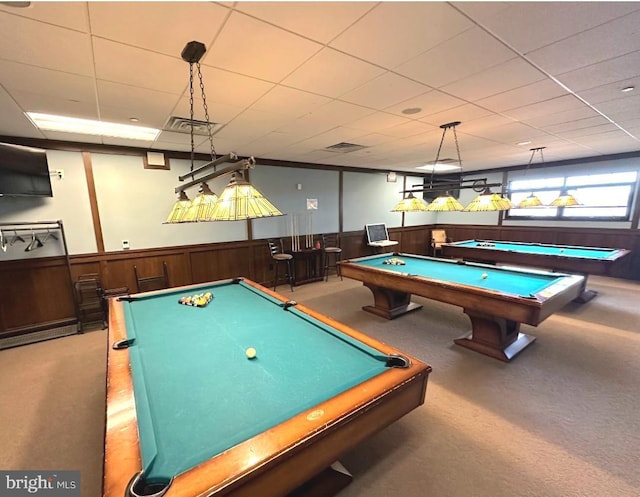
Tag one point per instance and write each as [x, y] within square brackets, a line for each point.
[411, 204]
[179, 208]
[446, 201]
[488, 201]
[565, 199]
[532, 200]
[239, 200]
[201, 206]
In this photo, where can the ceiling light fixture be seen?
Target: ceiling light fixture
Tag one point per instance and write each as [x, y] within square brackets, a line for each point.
[532, 200]
[446, 202]
[411, 204]
[627, 89]
[50, 122]
[239, 200]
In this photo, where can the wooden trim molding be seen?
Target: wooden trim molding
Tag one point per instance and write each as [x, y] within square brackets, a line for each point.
[93, 200]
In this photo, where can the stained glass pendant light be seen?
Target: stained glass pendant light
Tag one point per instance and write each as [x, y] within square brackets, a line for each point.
[411, 204]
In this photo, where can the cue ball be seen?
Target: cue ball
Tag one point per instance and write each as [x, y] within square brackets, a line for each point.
[251, 353]
[485, 276]
[561, 250]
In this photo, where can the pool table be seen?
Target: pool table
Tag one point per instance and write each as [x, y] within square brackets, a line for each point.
[566, 258]
[190, 413]
[496, 299]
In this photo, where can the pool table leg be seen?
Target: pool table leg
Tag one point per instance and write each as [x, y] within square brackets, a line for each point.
[388, 303]
[329, 482]
[493, 336]
[585, 295]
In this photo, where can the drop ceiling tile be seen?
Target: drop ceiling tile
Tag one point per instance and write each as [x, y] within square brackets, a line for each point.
[72, 15]
[13, 122]
[164, 27]
[320, 21]
[121, 102]
[523, 96]
[504, 77]
[373, 139]
[219, 113]
[462, 113]
[468, 53]
[138, 67]
[40, 44]
[612, 91]
[230, 88]
[35, 102]
[377, 121]
[402, 27]
[384, 91]
[59, 85]
[530, 25]
[589, 47]
[577, 124]
[271, 143]
[253, 124]
[551, 106]
[249, 46]
[289, 101]
[323, 118]
[324, 73]
[562, 117]
[430, 102]
[408, 129]
[589, 131]
[609, 71]
[620, 106]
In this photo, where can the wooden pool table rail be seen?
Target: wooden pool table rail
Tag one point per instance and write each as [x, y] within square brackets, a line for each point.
[279, 460]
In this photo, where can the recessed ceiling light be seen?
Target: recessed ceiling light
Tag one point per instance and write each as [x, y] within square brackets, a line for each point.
[628, 88]
[412, 110]
[65, 124]
[524, 143]
[133, 119]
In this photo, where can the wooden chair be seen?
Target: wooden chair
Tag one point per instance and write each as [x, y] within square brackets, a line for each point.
[280, 257]
[149, 283]
[89, 295]
[438, 237]
[332, 253]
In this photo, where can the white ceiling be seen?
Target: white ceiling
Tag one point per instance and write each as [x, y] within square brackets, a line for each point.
[288, 79]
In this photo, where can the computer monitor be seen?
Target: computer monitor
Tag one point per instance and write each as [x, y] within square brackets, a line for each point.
[376, 233]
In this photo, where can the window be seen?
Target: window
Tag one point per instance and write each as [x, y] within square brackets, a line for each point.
[601, 196]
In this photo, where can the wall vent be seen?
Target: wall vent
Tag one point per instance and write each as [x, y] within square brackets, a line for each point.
[183, 125]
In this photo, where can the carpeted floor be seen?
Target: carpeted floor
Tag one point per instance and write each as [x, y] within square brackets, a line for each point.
[561, 420]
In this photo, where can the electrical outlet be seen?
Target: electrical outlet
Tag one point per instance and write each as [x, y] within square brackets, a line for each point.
[125, 244]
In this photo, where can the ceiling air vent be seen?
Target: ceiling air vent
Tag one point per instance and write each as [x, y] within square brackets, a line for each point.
[343, 147]
[183, 125]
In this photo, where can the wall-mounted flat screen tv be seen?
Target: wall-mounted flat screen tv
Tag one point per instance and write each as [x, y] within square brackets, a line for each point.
[24, 171]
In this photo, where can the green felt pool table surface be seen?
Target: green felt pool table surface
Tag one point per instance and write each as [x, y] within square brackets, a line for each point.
[496, 299]
[198, 395]
[482, 277]
[542, 249]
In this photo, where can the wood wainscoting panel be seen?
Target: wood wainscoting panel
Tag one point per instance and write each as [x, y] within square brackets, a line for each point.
[35, 291]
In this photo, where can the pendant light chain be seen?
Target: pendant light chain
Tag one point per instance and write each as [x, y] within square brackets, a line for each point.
[191, 113]
[206, 115]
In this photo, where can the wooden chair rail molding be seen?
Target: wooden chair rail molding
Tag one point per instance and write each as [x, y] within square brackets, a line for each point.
[39, 279]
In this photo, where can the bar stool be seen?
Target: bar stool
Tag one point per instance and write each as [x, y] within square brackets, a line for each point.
[279, 257]
[331, 249]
